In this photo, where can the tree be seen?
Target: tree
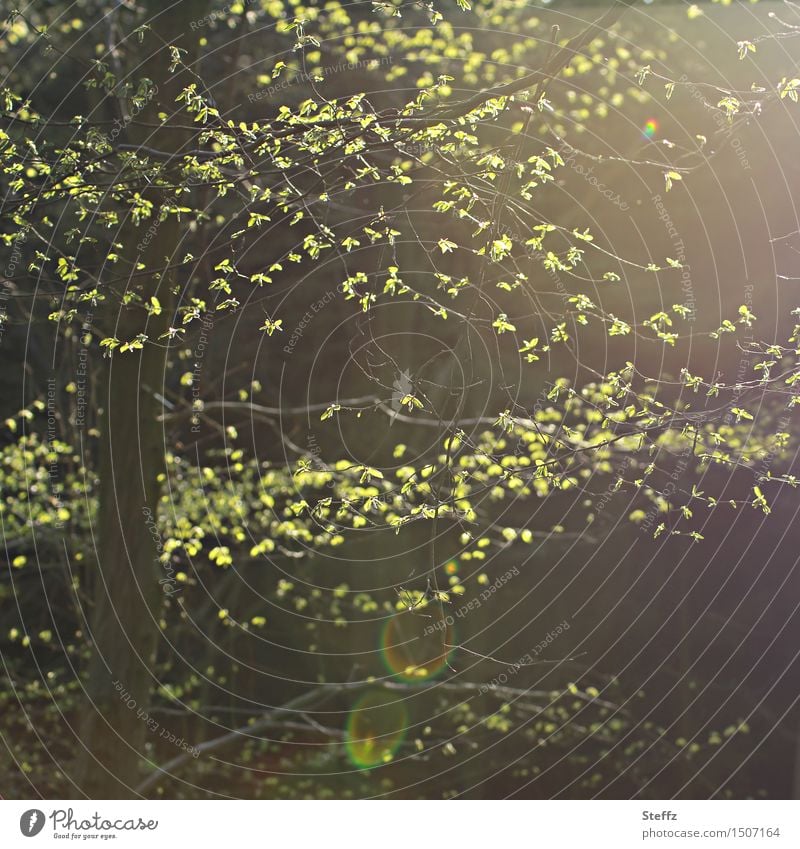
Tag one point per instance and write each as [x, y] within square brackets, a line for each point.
[124, 623]
[169, 190]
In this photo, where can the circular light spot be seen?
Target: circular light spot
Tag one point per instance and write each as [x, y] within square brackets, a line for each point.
[650, 128]
[376, 728]
[416, 648]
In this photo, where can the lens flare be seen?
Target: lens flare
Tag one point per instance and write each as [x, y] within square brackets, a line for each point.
[415, 648]
[650, 128]
[376, 728]
[451, 568]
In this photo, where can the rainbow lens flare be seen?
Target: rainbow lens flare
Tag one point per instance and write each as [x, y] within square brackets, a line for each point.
[650, 128]
[413, 650]
[376, 728]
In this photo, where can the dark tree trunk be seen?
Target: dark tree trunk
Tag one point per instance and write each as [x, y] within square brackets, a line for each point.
[127, 596]
[123, 623]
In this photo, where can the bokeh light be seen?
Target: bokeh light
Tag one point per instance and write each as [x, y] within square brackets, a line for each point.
[451, 568]
[376, 728]
[650, 128]
[416, 647]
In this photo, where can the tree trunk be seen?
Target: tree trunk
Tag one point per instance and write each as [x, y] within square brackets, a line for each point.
[123, 623]
[127, 596]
